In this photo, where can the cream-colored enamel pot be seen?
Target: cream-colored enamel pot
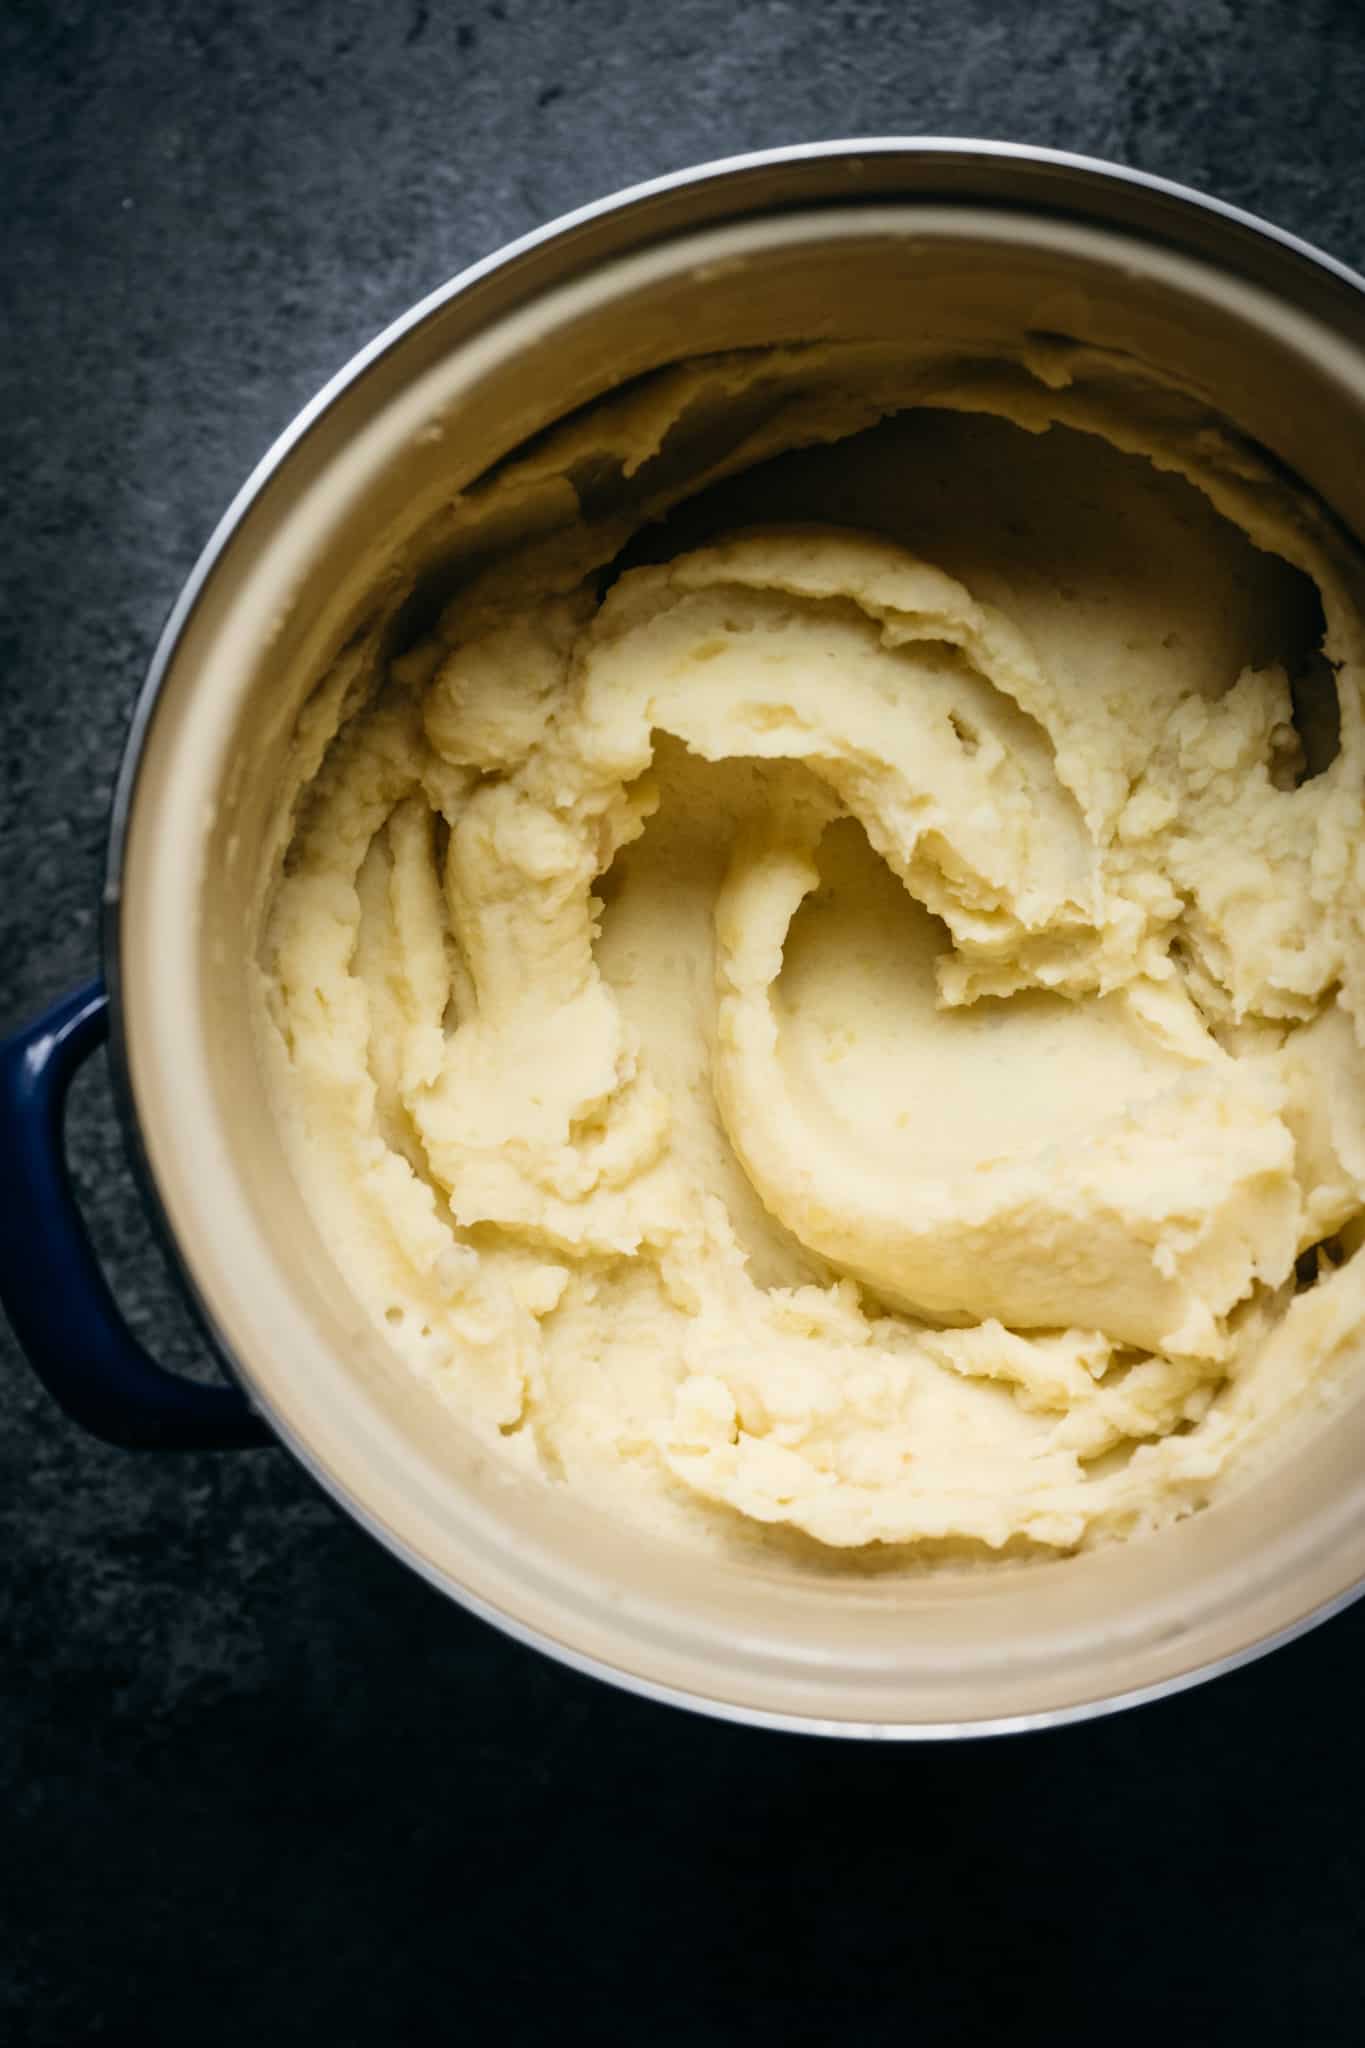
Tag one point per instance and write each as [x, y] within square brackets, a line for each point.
[867, 239]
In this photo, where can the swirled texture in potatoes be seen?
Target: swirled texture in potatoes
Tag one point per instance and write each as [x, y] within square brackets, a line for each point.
[854, 1026]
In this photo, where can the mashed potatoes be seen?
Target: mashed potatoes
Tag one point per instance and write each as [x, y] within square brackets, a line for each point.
[849, 1022]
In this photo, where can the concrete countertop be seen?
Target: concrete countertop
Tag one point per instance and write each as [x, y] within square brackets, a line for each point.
[256, 1781]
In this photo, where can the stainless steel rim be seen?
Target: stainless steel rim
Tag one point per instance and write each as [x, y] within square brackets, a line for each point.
[715, 173]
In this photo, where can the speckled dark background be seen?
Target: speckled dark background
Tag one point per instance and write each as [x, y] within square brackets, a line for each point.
[255, 1781]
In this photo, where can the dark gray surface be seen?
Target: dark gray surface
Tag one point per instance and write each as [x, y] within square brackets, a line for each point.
[255, 1778]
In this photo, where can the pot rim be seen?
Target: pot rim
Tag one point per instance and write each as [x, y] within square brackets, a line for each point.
[715, 172]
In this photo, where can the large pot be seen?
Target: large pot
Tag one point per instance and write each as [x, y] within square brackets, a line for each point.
[863, 239]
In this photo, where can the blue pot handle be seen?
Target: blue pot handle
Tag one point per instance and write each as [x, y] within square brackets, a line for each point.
[51, 1285]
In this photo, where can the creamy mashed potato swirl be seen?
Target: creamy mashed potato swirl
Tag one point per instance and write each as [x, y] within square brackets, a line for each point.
[851, 1023]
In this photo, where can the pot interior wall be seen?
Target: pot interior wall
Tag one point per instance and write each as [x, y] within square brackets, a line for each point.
[332, 549]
